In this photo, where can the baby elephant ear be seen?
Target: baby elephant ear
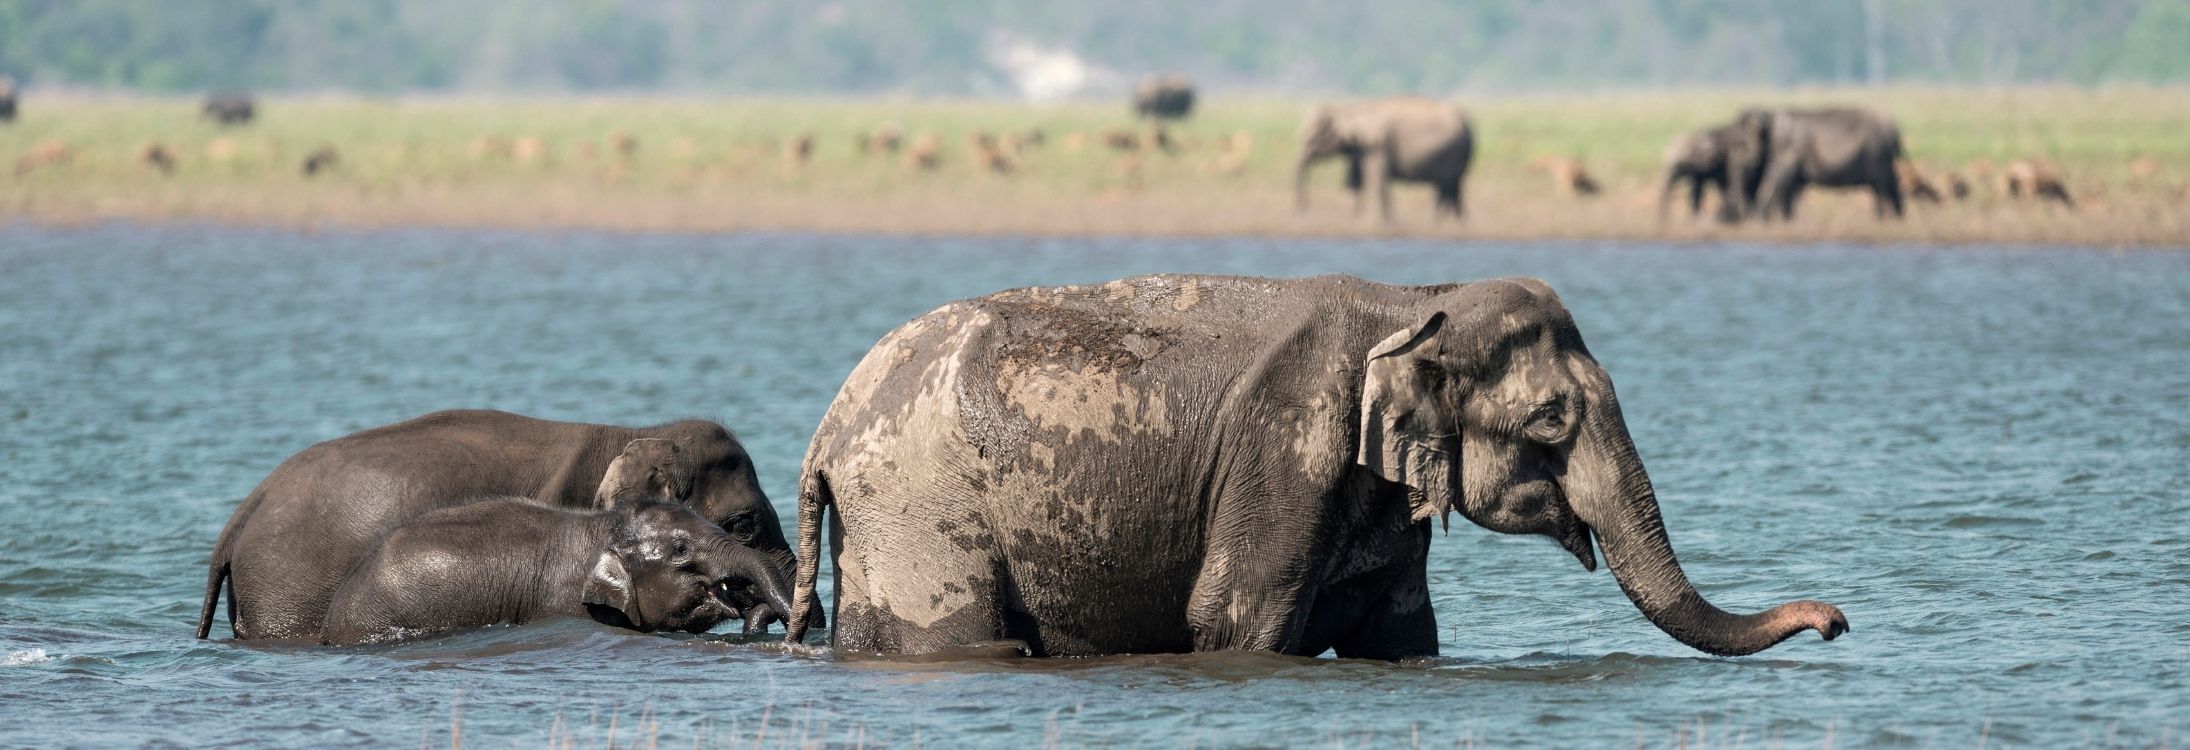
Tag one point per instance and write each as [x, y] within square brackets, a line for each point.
[609, 585]
[1409, 435]
[648, 467]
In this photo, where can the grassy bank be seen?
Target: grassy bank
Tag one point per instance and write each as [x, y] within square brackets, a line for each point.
[721, 164]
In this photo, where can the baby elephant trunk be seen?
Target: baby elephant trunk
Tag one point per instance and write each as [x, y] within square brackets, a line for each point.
[761, 580]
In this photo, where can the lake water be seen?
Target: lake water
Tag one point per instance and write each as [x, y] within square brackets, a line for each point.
[1980, 454]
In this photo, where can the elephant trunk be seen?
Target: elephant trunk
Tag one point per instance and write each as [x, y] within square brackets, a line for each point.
[1665, 194]
[748, 564]
[1612, 493]
[1308, 158]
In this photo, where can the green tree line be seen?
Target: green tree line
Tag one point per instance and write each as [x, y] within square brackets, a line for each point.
[950, 46]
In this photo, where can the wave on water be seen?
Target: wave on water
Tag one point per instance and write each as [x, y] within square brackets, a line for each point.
[26, 656]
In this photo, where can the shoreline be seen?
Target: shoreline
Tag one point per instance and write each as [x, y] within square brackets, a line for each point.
[927, 218]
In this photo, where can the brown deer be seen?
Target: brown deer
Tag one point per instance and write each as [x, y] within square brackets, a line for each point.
[321, 159]
[2025, 178]
[156, 155]
[1567, 176]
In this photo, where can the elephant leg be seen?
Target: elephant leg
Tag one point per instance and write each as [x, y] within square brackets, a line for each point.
[1776, 193]
[1354, 182]
[1695, 198]
[1379, 177]
[1448, 199]
[916, 595]
[1251, 592]
[1398, 624]
[1886, 195]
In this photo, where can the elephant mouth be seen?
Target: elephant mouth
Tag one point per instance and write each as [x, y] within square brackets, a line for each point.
[730, 597]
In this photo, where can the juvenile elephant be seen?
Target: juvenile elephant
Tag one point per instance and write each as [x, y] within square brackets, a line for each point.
[1705, 159]
[288, 544]
[1830, 147]
[1174, 463]
[1407, 140]
[1164, 97]
[647, 564]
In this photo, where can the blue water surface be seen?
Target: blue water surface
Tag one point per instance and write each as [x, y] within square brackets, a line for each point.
[1979, 453]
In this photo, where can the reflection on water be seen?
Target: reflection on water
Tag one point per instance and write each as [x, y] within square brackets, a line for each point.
[1979, 454]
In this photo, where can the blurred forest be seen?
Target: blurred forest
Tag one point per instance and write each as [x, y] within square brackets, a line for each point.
[1055, 50]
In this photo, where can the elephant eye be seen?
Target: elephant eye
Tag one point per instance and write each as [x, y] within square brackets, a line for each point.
[742, 527]
[1548, 421]
[678, 549]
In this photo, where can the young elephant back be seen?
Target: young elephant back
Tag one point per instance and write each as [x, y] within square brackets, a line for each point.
[288, 545]
[490, 560]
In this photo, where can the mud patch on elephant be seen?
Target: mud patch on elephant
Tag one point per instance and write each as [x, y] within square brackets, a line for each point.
[1078, 339]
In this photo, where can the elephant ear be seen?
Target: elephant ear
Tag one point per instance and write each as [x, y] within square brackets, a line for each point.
[609, 585]
[648, 467]
[1409, 434]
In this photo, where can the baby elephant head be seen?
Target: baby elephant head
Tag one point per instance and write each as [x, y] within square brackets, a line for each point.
[648, 467]
[665, 567]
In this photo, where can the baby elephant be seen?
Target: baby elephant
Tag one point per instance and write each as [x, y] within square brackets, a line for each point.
[647, 565]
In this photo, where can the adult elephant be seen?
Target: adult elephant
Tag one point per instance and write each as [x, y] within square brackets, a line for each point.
[1707, 159]
[7, 99]
[1387, 140]
[1173, 463]
[1838, 147]
[1164, 97]
[287, 546]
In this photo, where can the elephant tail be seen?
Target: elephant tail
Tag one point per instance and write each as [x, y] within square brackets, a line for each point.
[216, 568]
[216, 573]
[814, 500]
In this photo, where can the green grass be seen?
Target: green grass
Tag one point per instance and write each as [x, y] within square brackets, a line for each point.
[694, 154]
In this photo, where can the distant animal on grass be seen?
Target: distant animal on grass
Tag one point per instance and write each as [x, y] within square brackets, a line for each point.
[1240, 141]
[648, 564]
[1957, 186]
[8, 96]
[230, 108]
[886, 139]
[1390, 140]
[798, 150]
[47, 153]
[1160, 139]
[528, 149]
[1164, 97]
[220, 149]
[1025, 140]
[926, 153]
[1915, 185]
[624, 144]
[1704, 160]
[1567, 176]
[322, 159]
[993, 158]
[1122, 139]
[2143, 170]
[157, 156]
[1830, 147]
[2023, 178]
